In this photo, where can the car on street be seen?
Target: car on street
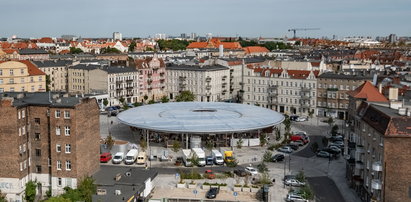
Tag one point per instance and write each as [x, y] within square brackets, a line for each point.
[337, 143]
[118, 158]
[323, 154]
[293, 146]
[294, 183]
[301, 119]
[105, 157]
[251, 170]
[285, 149]
[212, 193]
[291, 197]
[287, 177]
[333, 150]
[336, 138]
[293, 117]
[297, 142]
[278, 157]
[240, 172]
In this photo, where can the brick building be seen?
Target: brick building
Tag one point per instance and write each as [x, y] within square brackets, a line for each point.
[50, 139]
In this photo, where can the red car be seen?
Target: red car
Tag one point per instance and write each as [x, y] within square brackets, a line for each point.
[105, 157]
[303, 138]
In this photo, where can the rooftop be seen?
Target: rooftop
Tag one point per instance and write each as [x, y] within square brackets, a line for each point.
[41, 98]
[200, 117]
[368, 92]
[197, 68]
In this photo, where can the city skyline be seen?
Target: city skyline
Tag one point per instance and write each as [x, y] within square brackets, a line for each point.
[223, 18]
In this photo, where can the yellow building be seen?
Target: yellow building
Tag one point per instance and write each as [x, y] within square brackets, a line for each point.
[21, 76]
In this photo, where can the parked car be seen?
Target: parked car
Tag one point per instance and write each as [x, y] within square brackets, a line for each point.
[337, 143]
[209, 174]
[293, 117]
[293, 146]
[294, 183]
[212, 193]
[285, 149]
[251, 170]
[105, 157]
[287, 177]
[302, 137]
[323, 154]
[278, 157]
[332, 150]
[298, 143]
[118, 158]
[301, 119]
[336, 138]
[240, 172]
[291, 197]
[209, 160]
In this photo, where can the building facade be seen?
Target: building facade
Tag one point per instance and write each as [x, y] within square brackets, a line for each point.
[151, 78]
[50, 139]
[56, 72]
[21, 76]
[207, 83]
[332, 97]
[286, 91]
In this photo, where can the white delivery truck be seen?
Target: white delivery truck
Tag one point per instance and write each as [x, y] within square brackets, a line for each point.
[217, 156]
[187, 155]
[118, 158]
[141, 158]
[131, 156]
[200, 155]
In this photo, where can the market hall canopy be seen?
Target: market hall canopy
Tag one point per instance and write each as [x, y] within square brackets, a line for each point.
[200, 117]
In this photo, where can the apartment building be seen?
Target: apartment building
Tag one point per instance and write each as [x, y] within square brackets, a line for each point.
[286, 91]
[332, 97]
[21, 76]
[118, 82]
[379, 167]
[152, 78]
[207, 83]
[56, 71]
[33, 54]
[47, 138]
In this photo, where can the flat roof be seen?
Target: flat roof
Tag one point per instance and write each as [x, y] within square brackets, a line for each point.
[200, 117]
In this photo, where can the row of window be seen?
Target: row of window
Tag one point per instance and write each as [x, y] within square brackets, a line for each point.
[122, 78]
[283, 83]
[22, 89]
[22, 80]
[341, 87]
[11, 71]
[66, 130]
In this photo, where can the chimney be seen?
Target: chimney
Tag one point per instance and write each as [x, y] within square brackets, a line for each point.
[221, 51]
[393, 94]
[380, 88]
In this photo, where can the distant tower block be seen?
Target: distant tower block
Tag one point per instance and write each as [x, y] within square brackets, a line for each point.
[117, 36]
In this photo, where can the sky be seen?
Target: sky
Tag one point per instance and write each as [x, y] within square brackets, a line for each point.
[246, 18]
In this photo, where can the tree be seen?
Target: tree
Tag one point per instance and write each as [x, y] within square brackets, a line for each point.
[121, 99]
[233, 163]
[267, 156]
[57, 199]
[74, 50]
[87, 188]
[137, 104]
[105, 102]
[262, 168]
[164, 99]
[185, 96]
[132, 46]
[240, 143]
[151, 102]
[109, 50]
[334, 130]
[263, 139]
[209, 144]
[330, 121]
[300, 176]
[174, 44]
[2, 197]
[30, 192]
[109, 141]
[143, 144]
[310, 113]
[72, 194]
[176, 146]
[287, 125]
[145, 97]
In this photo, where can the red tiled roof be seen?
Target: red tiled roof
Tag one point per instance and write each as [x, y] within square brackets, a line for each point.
[215, 43]
[64, 52]
[197, 45]
[298, 74]
[9, 51]
[33, 70]
[369, 92]
[46, 40]
[255, 49]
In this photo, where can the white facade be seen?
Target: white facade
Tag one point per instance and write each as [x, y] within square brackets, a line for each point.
[117, 36]
[207, 83]
[123, 85]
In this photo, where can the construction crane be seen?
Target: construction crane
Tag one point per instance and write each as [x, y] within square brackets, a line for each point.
[294, 30]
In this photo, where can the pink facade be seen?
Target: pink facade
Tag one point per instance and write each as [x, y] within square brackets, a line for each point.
[151, 78]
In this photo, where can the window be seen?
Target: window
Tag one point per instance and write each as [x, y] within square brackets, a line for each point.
[11, 72]
[57, 113]
[37, 136]
[59, 166]
[38, 169]
[58, 148]
[58, 130]
[11, 89]
[23, 114]
[21, 166]
[66, 114]
[1, 72]
[1, 81]
[24, 147]
[37, 120]
[67, 130]
[68, 148]
[22, 71]
[19, 131]
[68, 165]
[59, 181]
[38, 152]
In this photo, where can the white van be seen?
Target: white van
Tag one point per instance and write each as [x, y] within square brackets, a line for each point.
[131, 157]
[118, 158]
[141, 158]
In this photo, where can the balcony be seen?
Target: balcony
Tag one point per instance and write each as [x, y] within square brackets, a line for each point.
[183, 78]
[208, 94]
[273, 87]
[208, 79]
[273, 94]
[376, 166]
[376, 184]
[208, 87]
[332, 89]
[305, 89]
[305, 97]
[224, 77]
[162, 74]
[305, 105]
[129, 80]
[273, 101]
[359, 165]
[182, 85]
[224, 84]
